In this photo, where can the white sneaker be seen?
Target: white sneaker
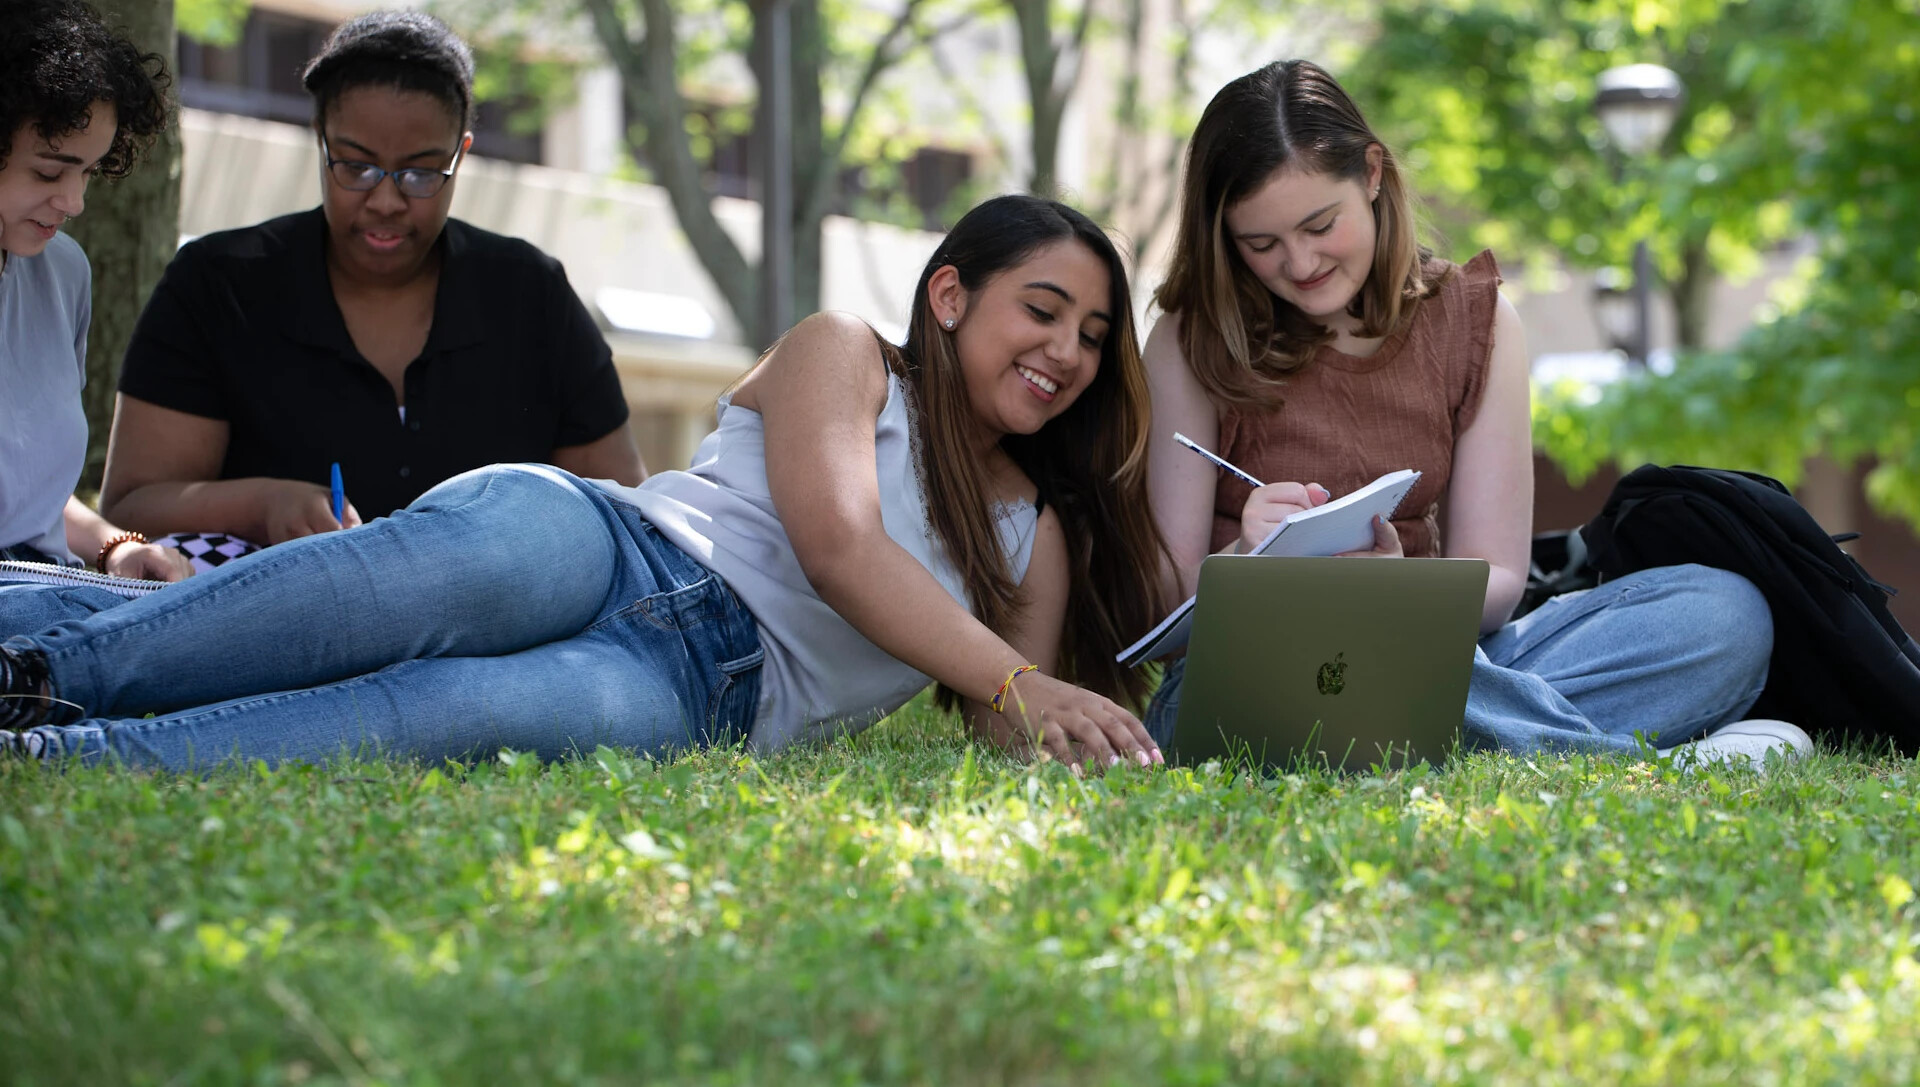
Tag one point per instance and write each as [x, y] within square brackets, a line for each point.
[1751, 741]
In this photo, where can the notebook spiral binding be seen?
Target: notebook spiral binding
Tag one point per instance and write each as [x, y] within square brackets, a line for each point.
[47, 573]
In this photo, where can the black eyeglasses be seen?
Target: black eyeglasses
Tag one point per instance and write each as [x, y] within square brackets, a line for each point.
[417, 182]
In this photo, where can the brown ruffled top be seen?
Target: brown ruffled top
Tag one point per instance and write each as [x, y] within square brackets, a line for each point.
[1347, 420]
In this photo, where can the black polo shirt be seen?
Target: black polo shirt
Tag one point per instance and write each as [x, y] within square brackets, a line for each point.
[244, 328]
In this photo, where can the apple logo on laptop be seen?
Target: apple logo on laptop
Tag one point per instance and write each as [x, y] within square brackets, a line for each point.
[1332, 677]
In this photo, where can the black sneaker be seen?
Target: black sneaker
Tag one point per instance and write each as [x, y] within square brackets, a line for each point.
[23, 698]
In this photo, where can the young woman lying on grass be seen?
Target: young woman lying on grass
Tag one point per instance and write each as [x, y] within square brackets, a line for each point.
[865, 518]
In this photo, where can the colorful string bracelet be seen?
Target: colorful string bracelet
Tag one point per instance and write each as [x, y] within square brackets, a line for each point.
[999, 701]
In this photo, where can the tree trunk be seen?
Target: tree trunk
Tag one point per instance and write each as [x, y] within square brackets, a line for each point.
[815, 166]
[130, 229]
[1052, 68]
[1039, 56]
[651, 88]
[1692, 296]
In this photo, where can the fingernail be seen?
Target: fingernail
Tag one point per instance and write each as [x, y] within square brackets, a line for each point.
[1113, 760]
[1145, 759]
[1158, 761]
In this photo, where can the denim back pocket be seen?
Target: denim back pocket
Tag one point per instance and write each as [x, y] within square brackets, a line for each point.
[736, 697]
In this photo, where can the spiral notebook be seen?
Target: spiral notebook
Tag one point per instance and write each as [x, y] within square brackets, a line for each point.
[1343, 524]
[14, 571]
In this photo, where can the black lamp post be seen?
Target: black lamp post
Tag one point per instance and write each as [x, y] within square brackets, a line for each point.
[1637, 104]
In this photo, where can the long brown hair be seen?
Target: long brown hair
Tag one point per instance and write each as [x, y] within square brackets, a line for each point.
[1240, 338]
[1089, 463]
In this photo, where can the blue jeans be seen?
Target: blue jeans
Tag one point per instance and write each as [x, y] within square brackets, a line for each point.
[1672, 652]
[26, 607]
[514, 606]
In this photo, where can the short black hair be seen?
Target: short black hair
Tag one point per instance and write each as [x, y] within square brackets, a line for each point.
[57, 58]
[405, 50]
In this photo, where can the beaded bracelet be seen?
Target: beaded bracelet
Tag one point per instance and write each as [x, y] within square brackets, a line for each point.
[106, 549]
[999, 701]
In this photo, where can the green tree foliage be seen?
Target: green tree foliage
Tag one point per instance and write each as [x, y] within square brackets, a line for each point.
[1799, 122]
[679, 62]
[1149, 51]
[1491, 102]
[1835, 368]
[216, 22]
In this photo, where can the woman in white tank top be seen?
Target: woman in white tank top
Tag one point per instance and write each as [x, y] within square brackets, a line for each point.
[968, 508]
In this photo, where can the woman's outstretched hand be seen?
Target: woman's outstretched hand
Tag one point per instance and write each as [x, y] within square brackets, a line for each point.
[1076, 726]
[1269, 505]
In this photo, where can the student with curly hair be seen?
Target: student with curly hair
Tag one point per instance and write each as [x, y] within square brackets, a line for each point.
[77, 101]
[373, 331]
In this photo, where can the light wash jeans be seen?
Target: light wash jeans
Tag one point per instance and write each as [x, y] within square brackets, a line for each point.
[513, 606]
[26, 607]
[1673, 652]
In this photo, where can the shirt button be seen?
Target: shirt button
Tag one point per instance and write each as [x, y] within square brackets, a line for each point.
[405, 472]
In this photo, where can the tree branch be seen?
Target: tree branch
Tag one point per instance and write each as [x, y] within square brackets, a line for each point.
[820, 185]
[1002, 145]
[1075, 53]
[649, 82]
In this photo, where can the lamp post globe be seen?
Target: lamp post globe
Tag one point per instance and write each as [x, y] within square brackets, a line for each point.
[1637, 104]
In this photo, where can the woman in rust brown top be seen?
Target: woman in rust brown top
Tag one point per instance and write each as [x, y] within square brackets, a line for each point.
[1308, 336]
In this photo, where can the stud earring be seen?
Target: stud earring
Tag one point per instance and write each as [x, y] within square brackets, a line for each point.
[948, 323]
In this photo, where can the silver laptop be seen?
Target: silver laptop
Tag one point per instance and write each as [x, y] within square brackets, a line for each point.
[1341, 662]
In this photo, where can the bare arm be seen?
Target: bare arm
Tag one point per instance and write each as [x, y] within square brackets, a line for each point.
[1181, 483]
[163, 469]
[1490, 498]
[613, 456]
[1037, 635]
[88, 532]
[819, 393]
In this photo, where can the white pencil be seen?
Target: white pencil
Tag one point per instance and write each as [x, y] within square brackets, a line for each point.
[1222, 462]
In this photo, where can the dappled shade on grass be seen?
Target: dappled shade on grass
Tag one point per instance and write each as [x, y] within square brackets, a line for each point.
[903, 907]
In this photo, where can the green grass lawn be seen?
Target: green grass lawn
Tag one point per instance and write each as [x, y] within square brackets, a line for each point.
[903, 907]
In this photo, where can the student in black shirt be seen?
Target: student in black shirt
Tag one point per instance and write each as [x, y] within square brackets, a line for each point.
[373, 332]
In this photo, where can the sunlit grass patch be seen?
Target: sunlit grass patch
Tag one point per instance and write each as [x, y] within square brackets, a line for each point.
[904, 907]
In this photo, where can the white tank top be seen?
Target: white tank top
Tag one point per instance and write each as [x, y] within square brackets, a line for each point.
[821, 675]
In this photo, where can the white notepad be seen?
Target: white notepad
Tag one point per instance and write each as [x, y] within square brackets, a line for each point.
[47, 573]
[1343, 524]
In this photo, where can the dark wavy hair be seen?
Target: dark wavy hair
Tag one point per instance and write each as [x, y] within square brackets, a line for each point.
[57, 58]
[404, 50]
[1090, 463]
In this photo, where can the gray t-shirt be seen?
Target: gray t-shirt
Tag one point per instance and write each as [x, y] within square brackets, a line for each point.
[46, 303]
[821, 674]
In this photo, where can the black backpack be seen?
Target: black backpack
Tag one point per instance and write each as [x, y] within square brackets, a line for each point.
[1841, 664]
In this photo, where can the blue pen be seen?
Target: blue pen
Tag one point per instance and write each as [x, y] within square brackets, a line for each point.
[1215, 458]
[339, 495]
